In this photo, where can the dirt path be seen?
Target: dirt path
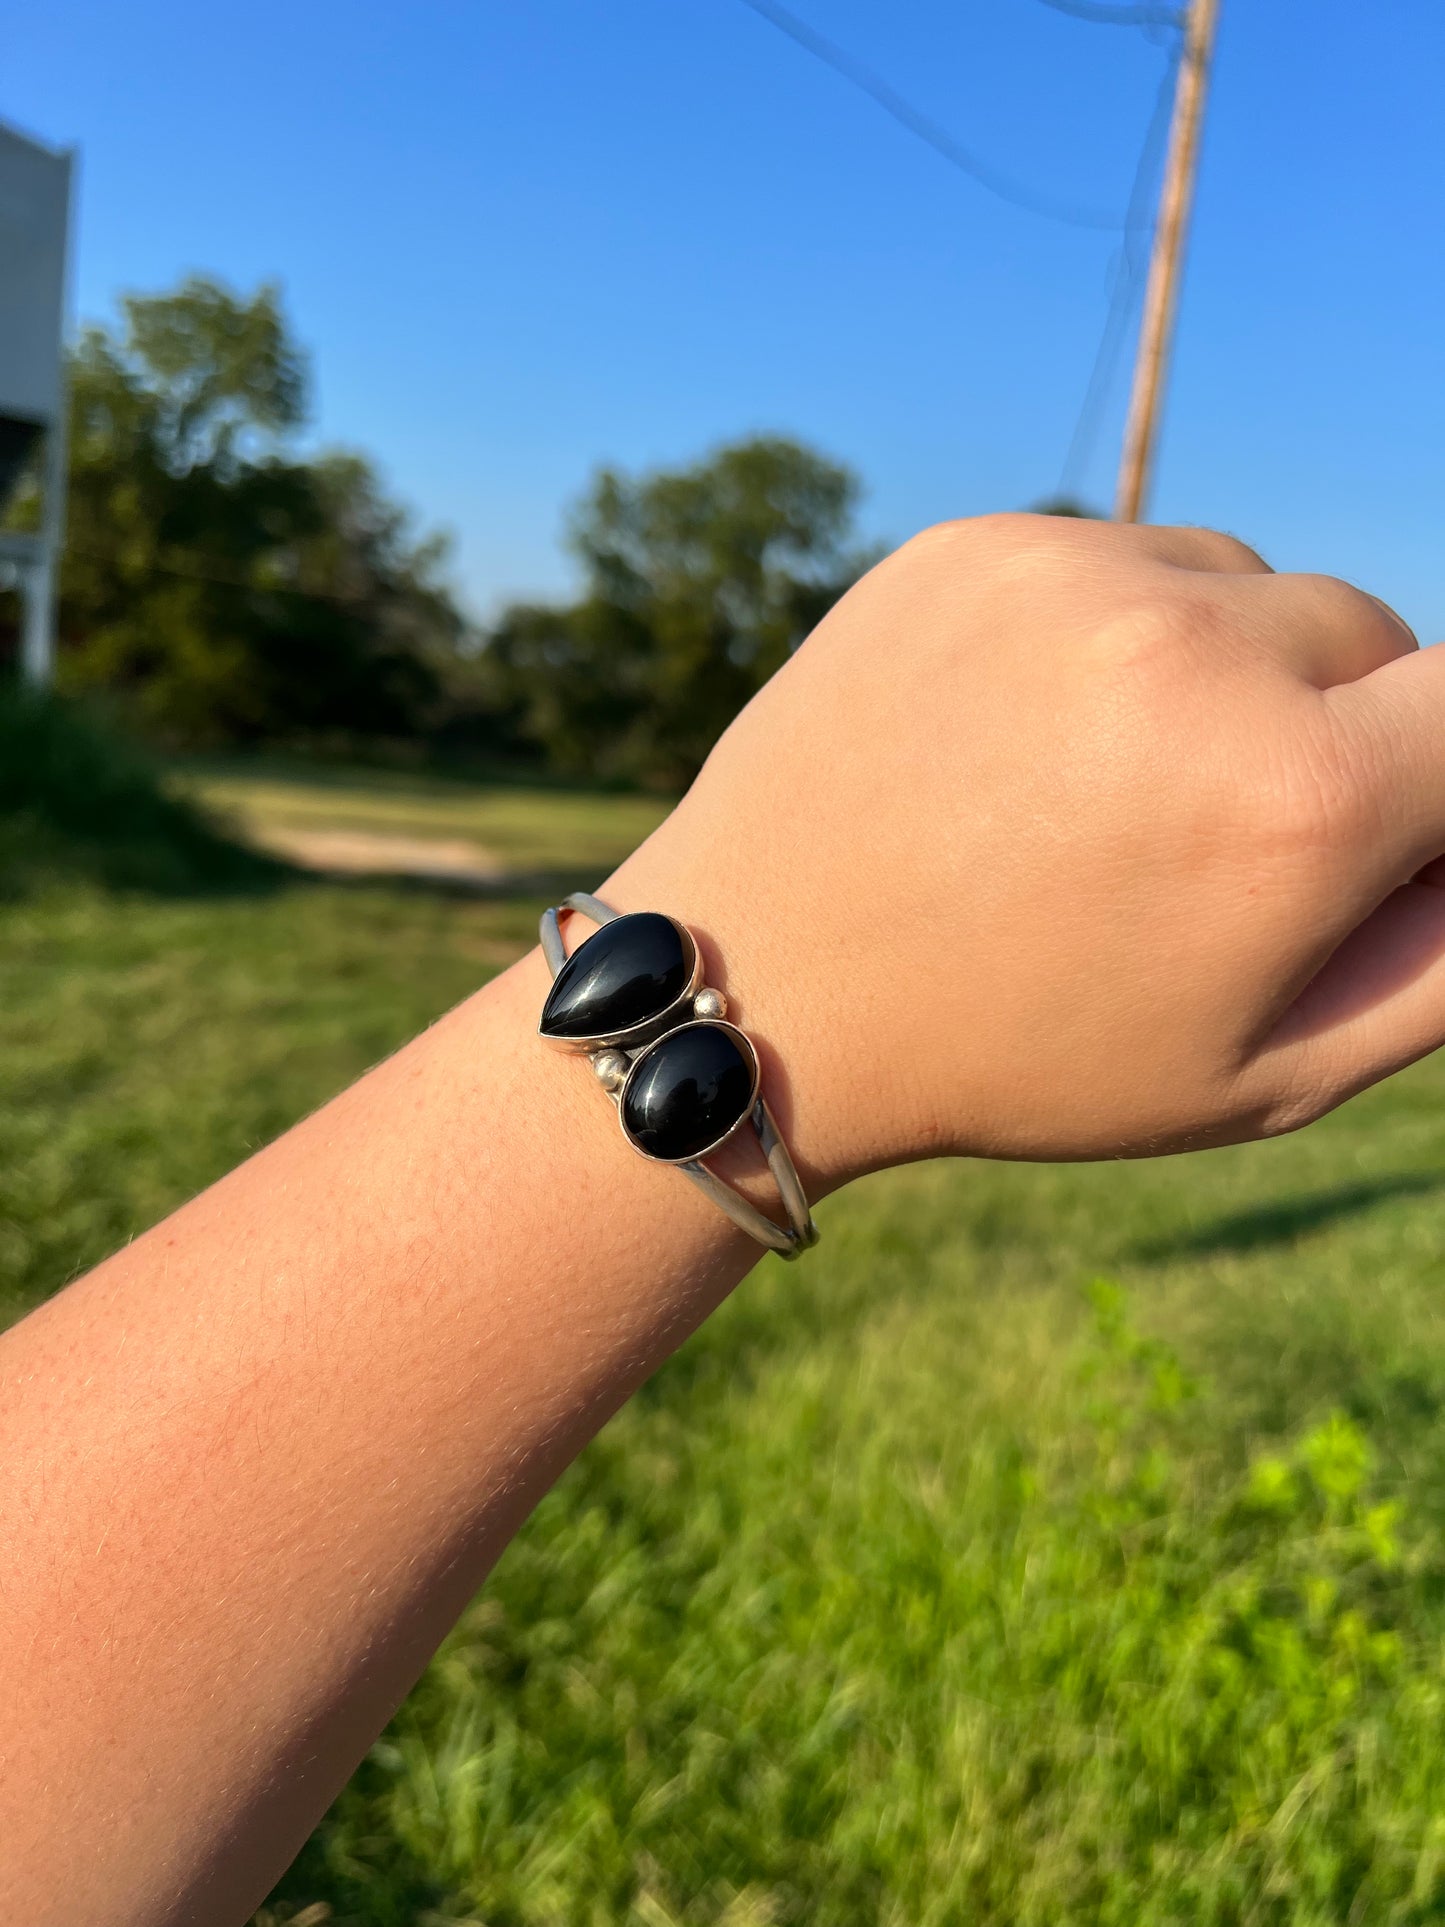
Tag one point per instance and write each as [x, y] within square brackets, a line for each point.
[454, 860]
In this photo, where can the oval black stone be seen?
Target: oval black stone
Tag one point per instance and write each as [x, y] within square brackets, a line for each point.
[688, 1091]
[631, 969]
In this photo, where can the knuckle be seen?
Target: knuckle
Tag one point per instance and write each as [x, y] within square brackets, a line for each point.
[1288, 1111]
[1229, 553]
[1273, 757]
[938, 535]
[1329, 601]
[1201, 548]
[1139, 636]
[1333, 592]
[1256, 1104]
[1011, 526]
[1002, 530]
[1278, 1099]
[1152, 632]
[1003, 552]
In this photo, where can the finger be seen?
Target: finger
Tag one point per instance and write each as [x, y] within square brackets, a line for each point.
[1207, 550]
[1322, 628]
[1377, 1005]
[1392, 737]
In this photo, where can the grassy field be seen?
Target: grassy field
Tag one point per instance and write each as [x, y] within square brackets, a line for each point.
[936, 1581]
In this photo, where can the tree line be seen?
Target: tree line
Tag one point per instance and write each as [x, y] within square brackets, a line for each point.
[222, 587]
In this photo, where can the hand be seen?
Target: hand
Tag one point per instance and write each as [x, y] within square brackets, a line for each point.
[1069, 840]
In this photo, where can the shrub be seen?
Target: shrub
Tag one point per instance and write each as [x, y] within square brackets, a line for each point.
[76, 798]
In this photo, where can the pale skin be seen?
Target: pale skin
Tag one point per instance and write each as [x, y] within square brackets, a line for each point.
[1054, 841]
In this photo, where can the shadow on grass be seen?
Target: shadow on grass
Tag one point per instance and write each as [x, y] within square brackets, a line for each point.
[162, 860]
[1281, 1220]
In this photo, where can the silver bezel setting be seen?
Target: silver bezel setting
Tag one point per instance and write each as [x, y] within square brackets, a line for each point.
[637, 1036]
[749, 1051]
[800, 1233]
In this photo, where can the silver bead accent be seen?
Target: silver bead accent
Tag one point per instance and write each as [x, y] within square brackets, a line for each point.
[709, 1003]
[610, 1068]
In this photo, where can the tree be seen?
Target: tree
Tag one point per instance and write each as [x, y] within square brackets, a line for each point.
[698, 584]
[222, 588]
[1068, 505]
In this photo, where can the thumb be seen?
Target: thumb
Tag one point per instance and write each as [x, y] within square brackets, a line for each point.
[1377, 1005]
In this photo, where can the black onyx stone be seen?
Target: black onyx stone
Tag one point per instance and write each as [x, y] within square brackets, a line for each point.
[688, 1091]
[628, 971]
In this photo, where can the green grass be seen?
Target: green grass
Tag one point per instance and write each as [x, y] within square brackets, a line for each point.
[146, 1046]
[932, 1582]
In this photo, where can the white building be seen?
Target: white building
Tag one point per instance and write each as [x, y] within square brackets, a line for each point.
[35, 183]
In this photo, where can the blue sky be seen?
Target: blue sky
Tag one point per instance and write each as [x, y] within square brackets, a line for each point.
[519, 240]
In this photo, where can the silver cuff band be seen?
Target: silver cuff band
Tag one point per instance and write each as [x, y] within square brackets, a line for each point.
[616, 1058]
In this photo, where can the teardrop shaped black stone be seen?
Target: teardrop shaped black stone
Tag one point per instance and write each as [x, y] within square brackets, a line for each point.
[628, 971]
[687, 1092]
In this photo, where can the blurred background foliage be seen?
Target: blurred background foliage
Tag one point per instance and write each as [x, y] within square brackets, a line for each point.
[218, 586]
[699, 583]
[223, 588]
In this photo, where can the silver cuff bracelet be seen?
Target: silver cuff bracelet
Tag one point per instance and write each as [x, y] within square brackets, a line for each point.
[632, 999]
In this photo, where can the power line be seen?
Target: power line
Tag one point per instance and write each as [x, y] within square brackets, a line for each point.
[1016, 193]
[211, 579]
[1102, 14]
[1126, 278]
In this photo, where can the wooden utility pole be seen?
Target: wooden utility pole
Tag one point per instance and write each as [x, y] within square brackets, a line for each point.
[1170, 229]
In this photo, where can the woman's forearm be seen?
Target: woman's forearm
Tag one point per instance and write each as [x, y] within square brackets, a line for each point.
[252, 1468]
